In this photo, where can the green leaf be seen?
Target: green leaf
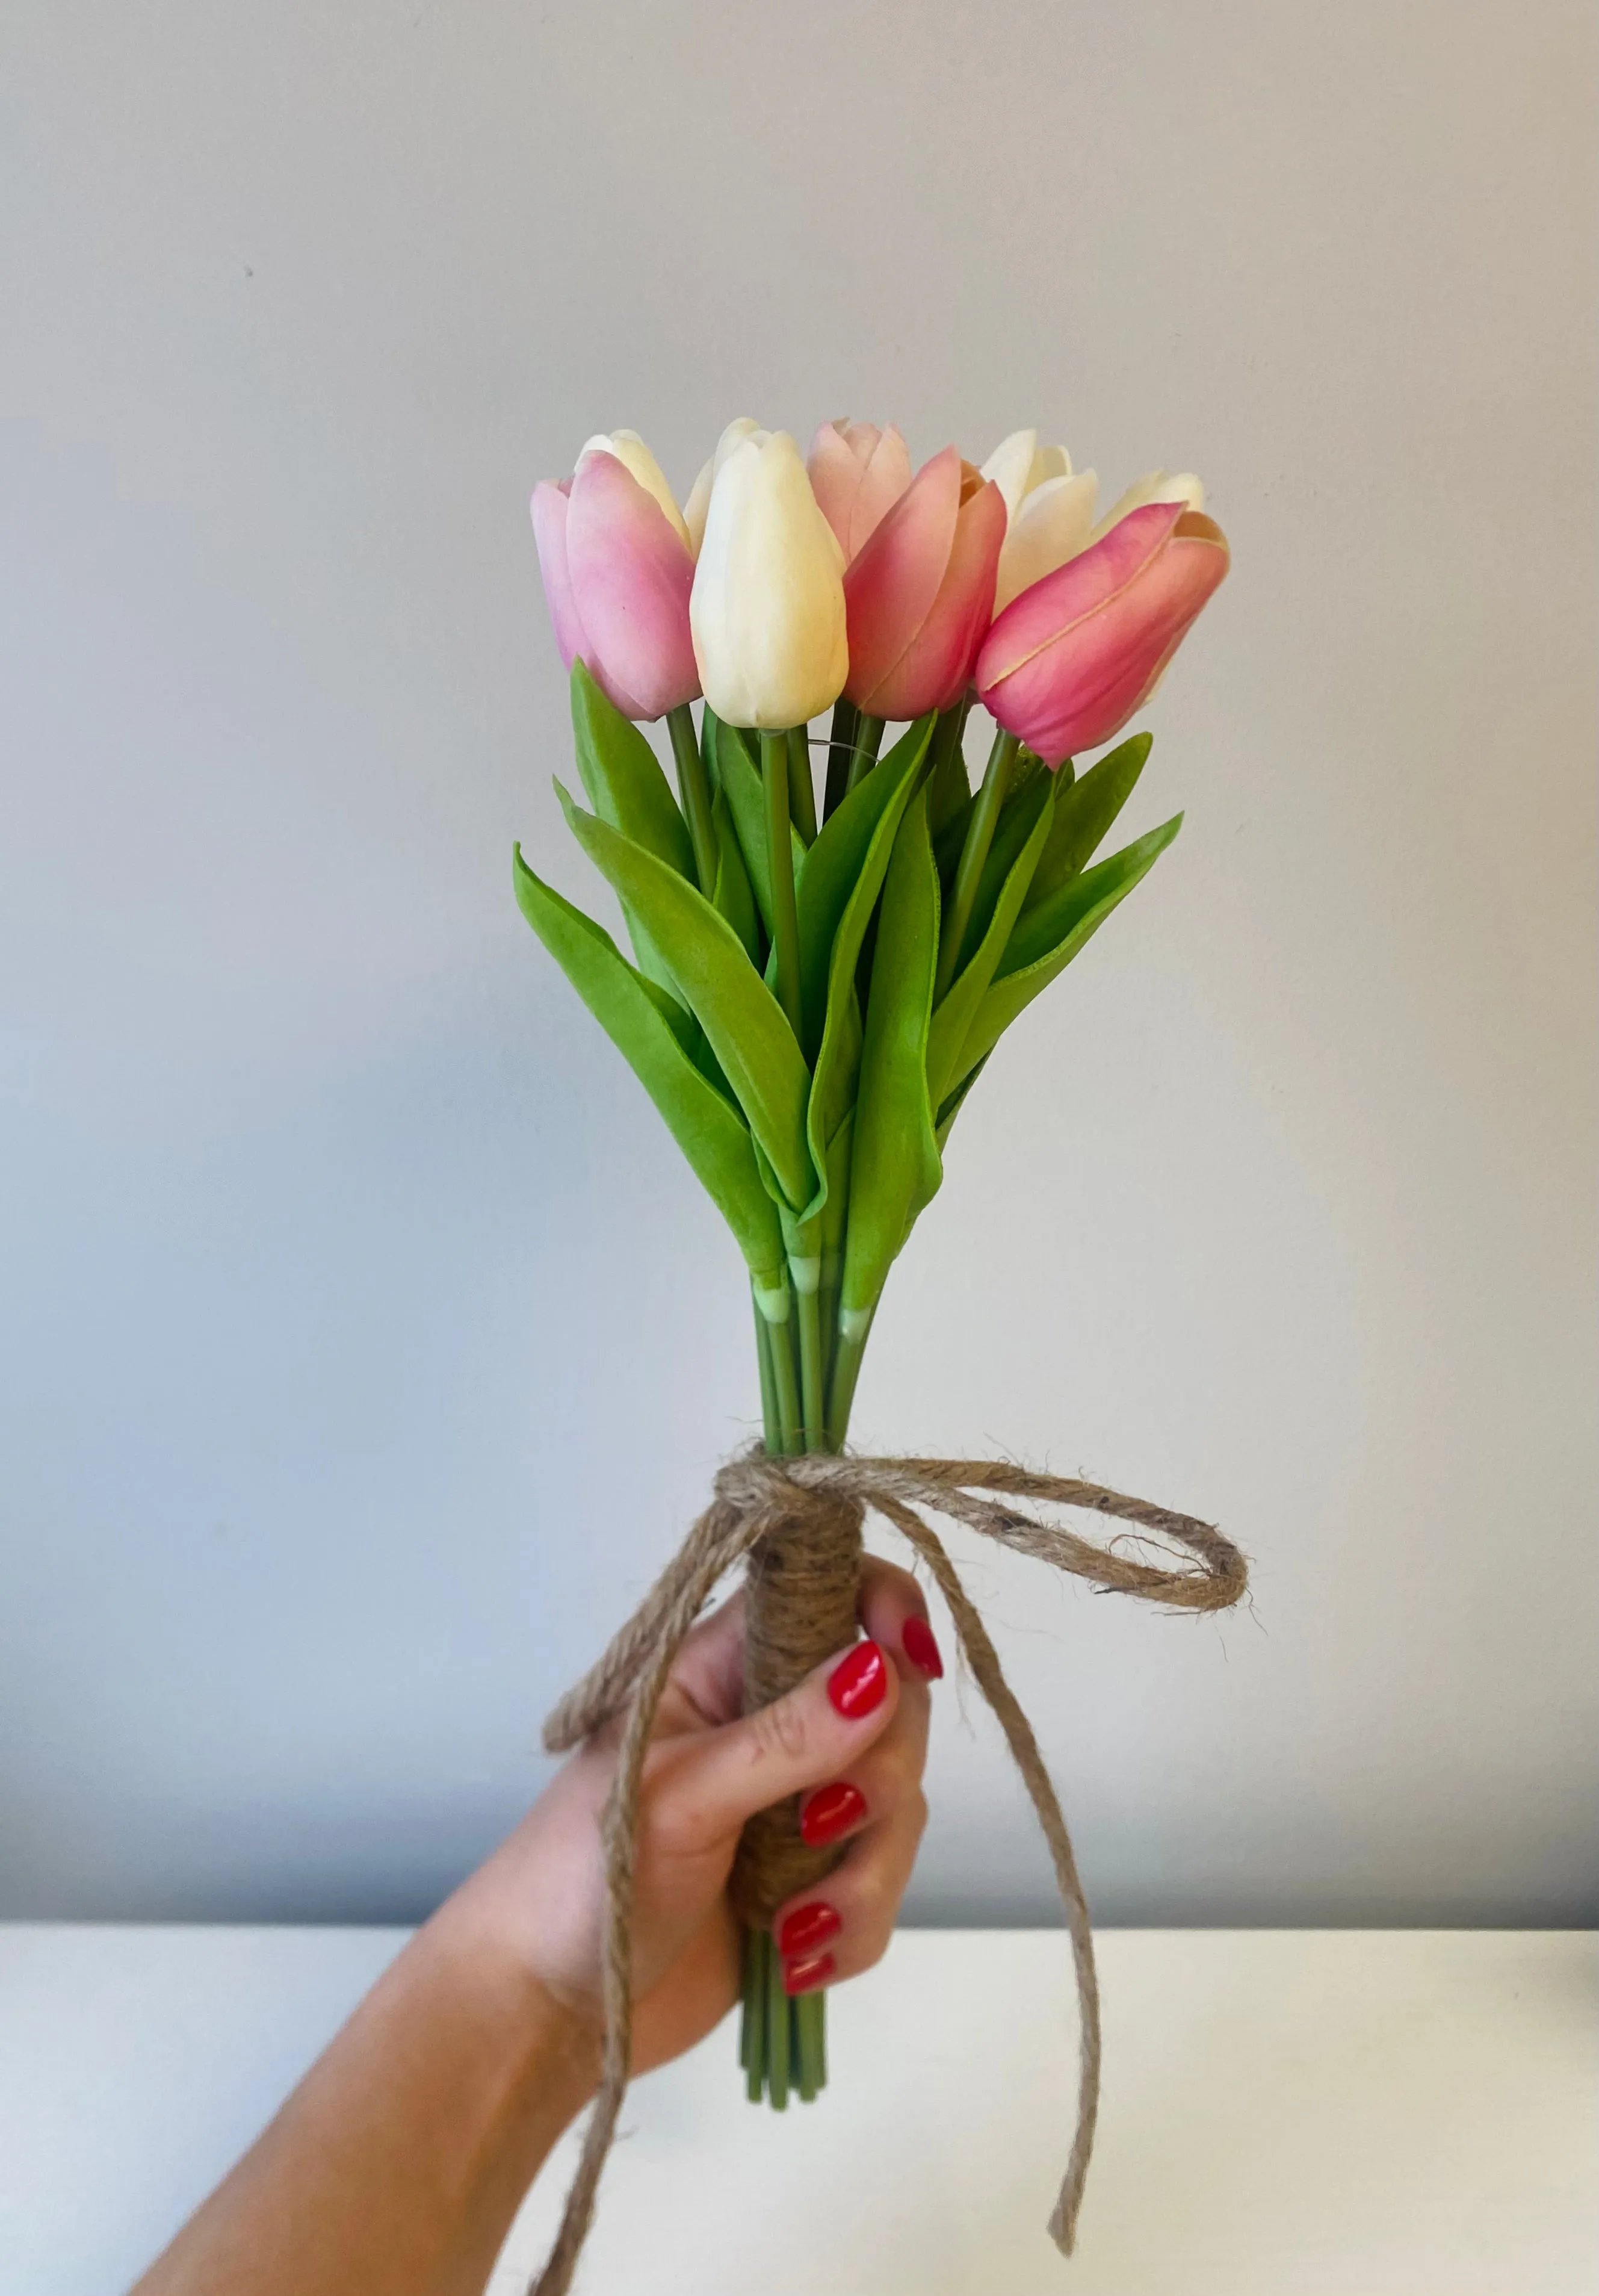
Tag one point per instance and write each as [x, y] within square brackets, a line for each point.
[894, 1167]
[1083, 813]
[648, 1028]
[951, 836]
[1050, 936]
[838, 1060]
[833, 867]
[956, 1102]
[953, 1018]
[713, 974]
[838, 1152]
[626, 787]
[1018, 818]
[739, 778]
[622, 777]
[734, 898]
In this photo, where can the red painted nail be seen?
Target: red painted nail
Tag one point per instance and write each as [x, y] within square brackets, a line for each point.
[830, 1811]
[859, 1683]
[807, 1927]
[920, 1646]
[803, 1976]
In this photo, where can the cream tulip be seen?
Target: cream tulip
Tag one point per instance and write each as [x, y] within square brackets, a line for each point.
[766, 611]
[1050, 510]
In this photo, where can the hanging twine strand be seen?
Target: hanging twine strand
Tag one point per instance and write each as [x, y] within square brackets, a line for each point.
[800, 1519]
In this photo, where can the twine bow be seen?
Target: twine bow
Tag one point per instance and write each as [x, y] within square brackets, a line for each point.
[752, 1492]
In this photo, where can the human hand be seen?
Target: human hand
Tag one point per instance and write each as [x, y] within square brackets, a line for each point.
[851, 1739]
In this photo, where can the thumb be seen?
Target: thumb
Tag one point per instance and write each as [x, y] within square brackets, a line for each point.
[721, 1777]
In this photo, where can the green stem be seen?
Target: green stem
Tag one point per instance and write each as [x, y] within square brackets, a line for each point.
[811, 1408]
[802, 788]
[974, 853]
[810, 2025]
[853, 1330]
[947, 783]
[752, 2050]
[779, 2028]
[840, 743]
[779, 857]
[696, 793]
[770, 1423]
[863, 751]
[779, 1342]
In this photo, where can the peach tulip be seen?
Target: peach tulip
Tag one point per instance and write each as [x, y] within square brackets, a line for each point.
[1067, 663]
[614, 553]
[857, 472]
[919, 596]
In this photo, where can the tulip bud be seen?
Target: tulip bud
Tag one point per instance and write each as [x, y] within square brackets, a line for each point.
[767, 608]
[1067, 663]
[1050, 510]
[921, 592]
[613, 554]
[857, 473]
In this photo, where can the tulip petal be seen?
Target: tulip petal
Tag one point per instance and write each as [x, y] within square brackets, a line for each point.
[857, 472]
[886, 478]
[698, 503]
[1054, 524]
[549, 537]
[635, 457]
[1154, 487]
[1010, 467]
[890, 588]
[630, 576]
[935, 668]
[835, 473]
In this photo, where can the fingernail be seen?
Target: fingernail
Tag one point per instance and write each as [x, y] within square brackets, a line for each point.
[830, 1811]
[803, 1976]
[807, 1927]
[920, 1646]
[859, 1683]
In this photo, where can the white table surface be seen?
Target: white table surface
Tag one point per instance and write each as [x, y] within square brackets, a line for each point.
[1352, 2113]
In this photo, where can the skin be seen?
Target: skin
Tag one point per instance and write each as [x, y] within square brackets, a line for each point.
[401, 2157]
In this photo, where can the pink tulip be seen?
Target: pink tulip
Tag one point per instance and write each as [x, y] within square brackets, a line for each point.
[919, 596]
[617, 577]
[858, 473]
[1067, 663]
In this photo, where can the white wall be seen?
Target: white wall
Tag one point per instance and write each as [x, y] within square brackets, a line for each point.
[367, 1349]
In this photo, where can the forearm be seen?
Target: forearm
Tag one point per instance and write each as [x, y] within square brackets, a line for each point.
[401, 2158]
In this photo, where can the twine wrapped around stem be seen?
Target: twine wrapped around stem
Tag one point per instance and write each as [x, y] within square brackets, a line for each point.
[761, 1506]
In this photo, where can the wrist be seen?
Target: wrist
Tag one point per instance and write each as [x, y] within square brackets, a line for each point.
[552, 2049]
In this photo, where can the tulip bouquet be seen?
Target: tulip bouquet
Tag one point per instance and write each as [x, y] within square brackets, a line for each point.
[820, 976]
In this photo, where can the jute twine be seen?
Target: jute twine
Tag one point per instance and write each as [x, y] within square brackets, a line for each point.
[799, 1522]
